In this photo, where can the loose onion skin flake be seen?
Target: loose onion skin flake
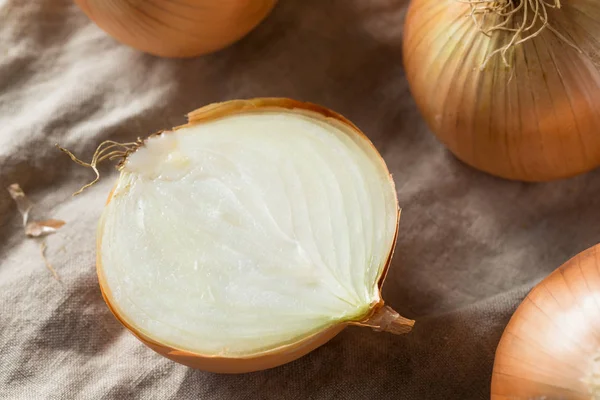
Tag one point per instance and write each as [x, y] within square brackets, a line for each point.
[182, 28]
[511, 87]
[249, 236]
[550, 347]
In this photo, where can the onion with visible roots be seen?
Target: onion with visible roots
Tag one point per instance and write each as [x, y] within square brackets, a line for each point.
[249, 236]
[512, 87]
[183, 28]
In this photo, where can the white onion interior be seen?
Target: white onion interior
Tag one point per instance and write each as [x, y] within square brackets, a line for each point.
[245, 233]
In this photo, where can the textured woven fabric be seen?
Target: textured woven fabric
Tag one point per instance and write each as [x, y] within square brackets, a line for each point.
[470, 246]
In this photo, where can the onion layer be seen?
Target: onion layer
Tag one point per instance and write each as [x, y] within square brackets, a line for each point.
[528, 113]
[249, 236]
[185, 28]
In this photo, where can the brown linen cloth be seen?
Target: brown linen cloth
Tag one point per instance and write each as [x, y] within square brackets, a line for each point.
[470, 245]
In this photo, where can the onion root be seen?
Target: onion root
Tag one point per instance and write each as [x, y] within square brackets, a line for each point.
[531, 13]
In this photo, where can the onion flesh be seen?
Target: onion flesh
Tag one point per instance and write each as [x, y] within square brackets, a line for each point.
[247, 233]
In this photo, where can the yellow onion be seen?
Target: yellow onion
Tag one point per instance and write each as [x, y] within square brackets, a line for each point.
[519, 105]
[182, 28]
[249, 236]
[550, 347]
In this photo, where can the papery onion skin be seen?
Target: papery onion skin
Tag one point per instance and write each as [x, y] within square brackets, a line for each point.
[536, 120]
[548, 348]
[287, 353]
[186, 28]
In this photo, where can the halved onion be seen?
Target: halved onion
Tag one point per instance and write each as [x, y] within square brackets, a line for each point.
[250, 236]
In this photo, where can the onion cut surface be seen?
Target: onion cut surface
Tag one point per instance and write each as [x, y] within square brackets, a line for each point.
[259, 226]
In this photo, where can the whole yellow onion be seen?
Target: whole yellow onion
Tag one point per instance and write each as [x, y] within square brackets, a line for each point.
[549, 349]
[511, 87]
[182, 28]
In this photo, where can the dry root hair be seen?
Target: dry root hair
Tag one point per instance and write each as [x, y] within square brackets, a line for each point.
[525, 19]
[107, 150]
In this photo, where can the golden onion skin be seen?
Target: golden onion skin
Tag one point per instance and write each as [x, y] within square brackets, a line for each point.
[186, 28]
[289, 352]
[536, 120]
[548, 348]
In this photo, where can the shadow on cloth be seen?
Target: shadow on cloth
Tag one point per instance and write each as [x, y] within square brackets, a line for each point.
[80, 326]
